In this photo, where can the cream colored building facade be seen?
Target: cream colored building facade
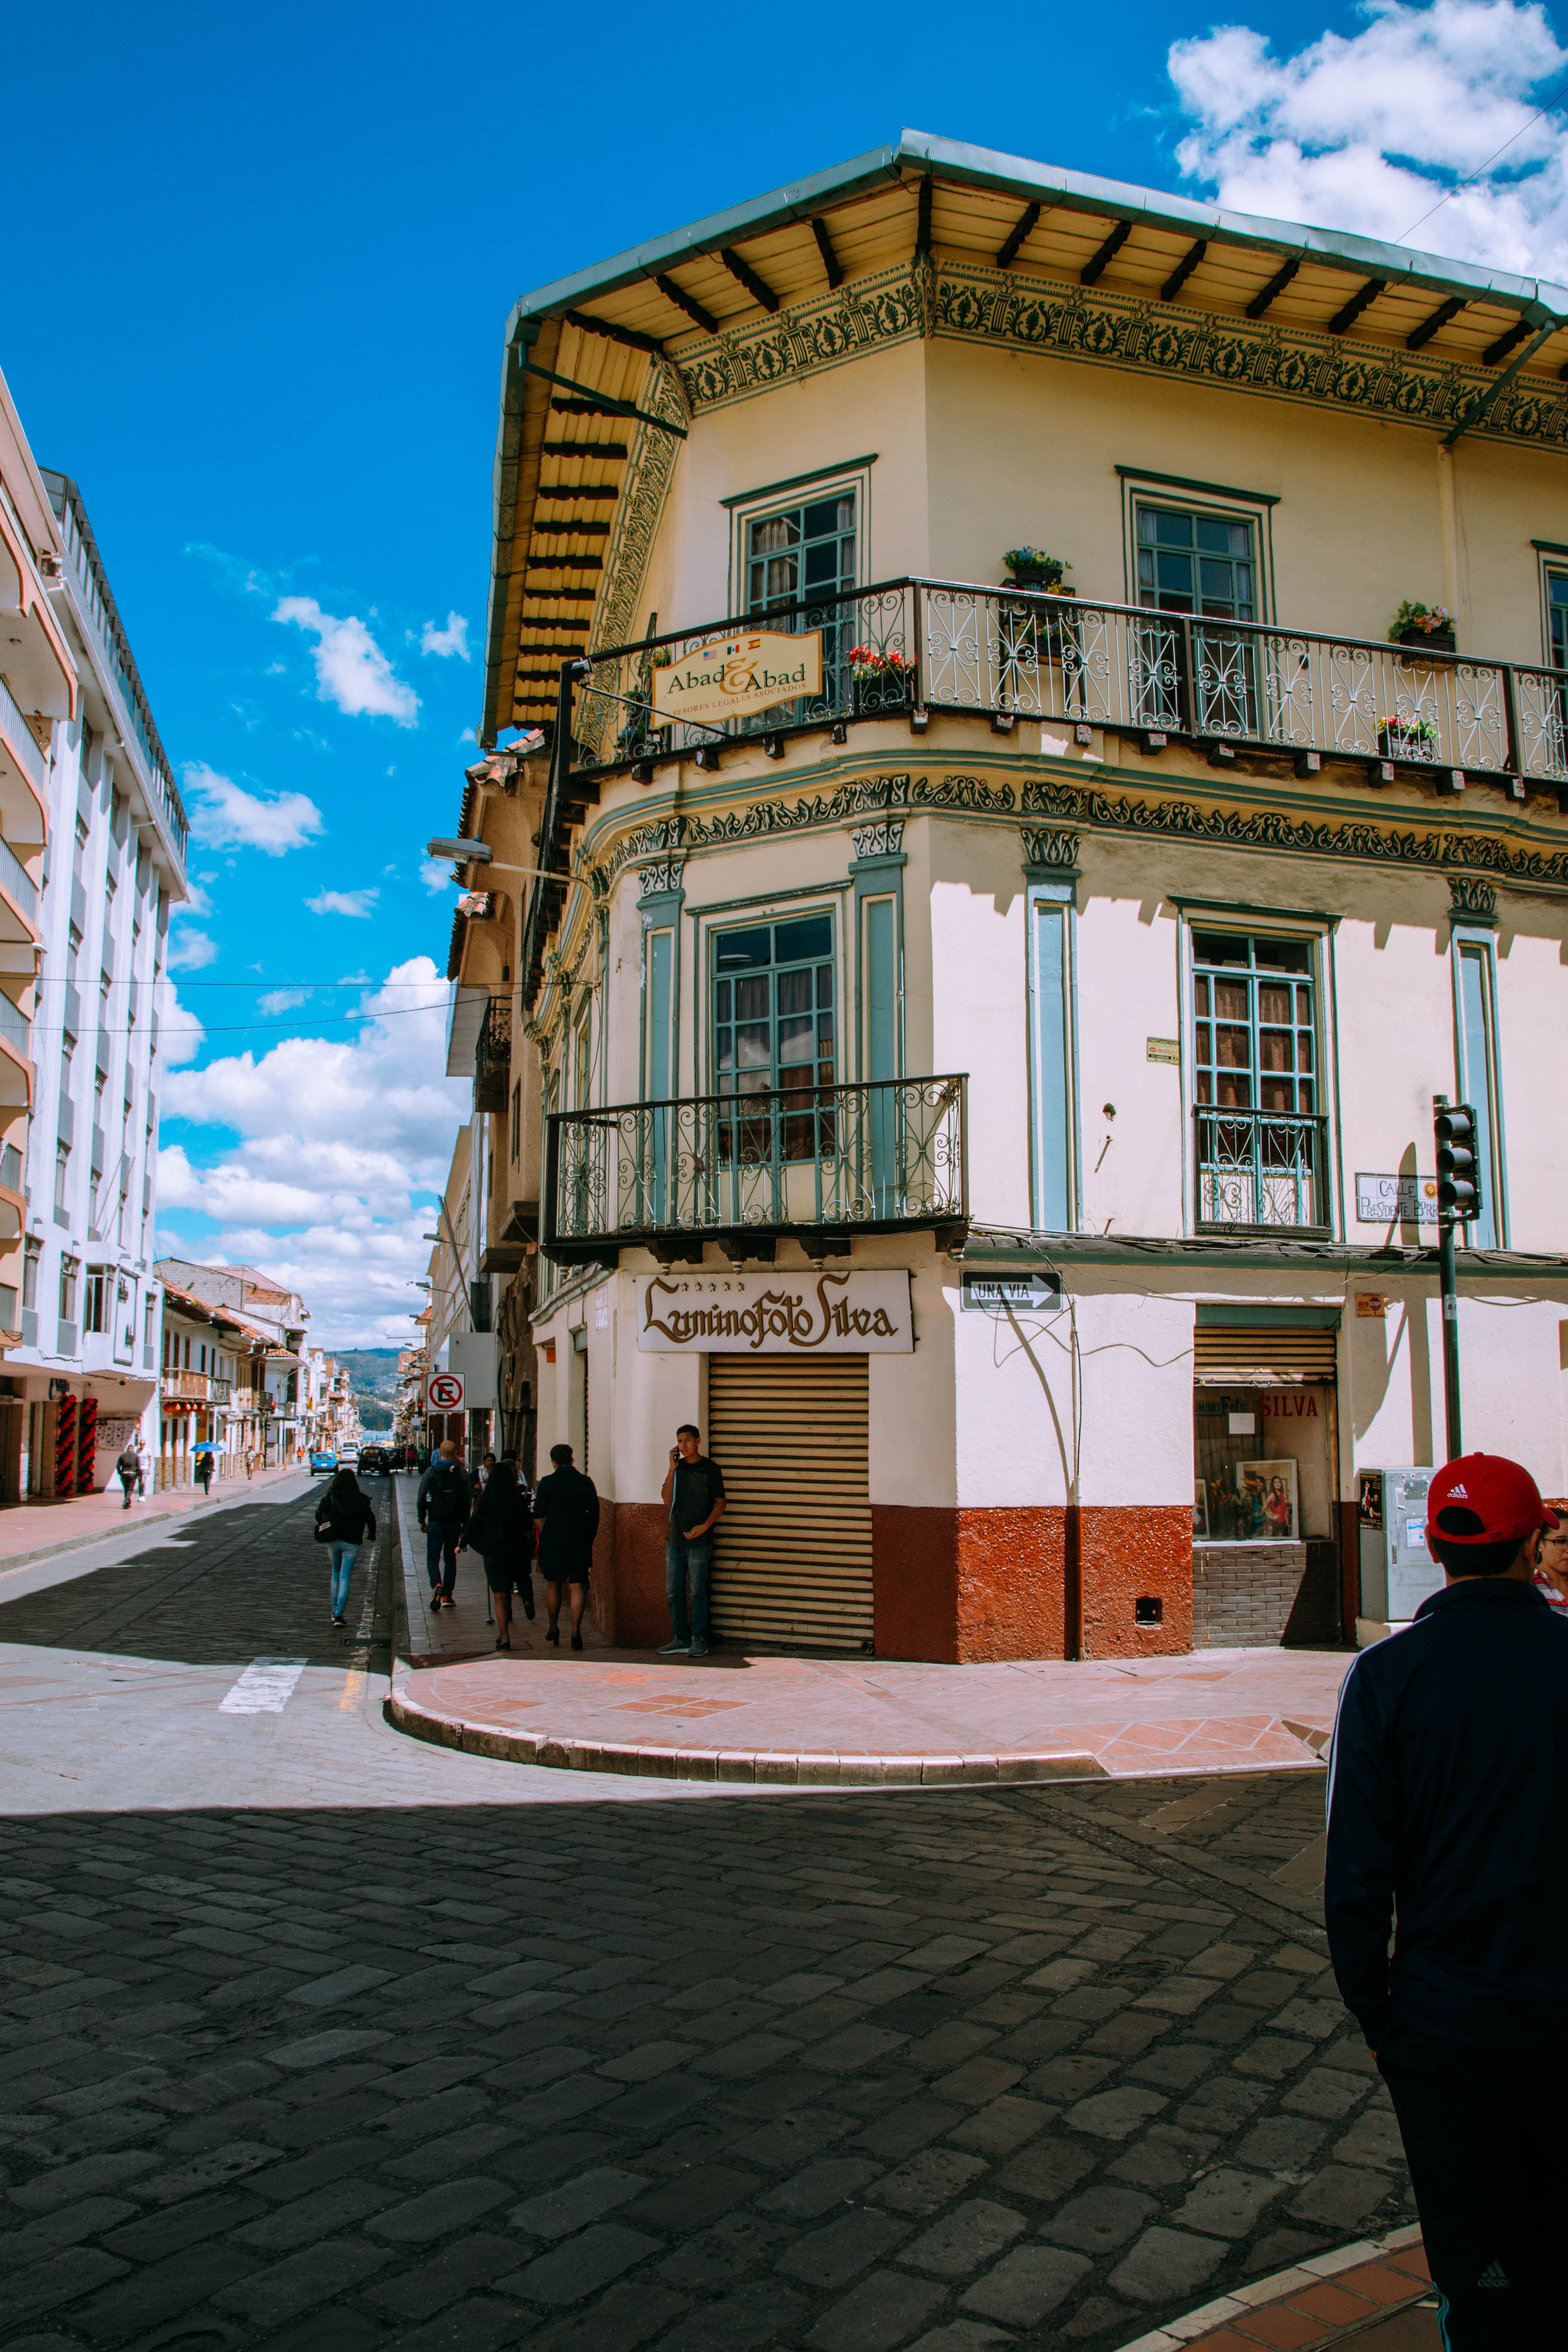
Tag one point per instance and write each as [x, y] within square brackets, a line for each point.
[1067, 981]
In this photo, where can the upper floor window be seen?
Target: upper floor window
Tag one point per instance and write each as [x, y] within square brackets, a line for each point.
[94, 1299]
[773, 1007]
[1557, 618]
[801, 550]
[1193, 562]
[1257, 1081]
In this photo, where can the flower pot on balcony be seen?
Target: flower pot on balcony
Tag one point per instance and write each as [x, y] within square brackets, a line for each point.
[879, 683]
[1416, 742]
[1431, 641]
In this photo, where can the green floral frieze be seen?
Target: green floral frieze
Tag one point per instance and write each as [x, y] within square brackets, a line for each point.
[1021, 313]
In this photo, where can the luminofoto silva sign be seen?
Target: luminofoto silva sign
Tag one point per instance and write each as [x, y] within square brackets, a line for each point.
[729, 676]
[775, 1314]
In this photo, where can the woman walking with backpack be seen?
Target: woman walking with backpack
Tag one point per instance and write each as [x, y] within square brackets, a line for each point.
[344, 1518]
[500, 1529]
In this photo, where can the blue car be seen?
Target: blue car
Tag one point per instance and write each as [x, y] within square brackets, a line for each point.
[327, 1462]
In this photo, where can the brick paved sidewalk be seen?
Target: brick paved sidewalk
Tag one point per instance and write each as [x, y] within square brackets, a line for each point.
[30, 1531]
[1379, 2291]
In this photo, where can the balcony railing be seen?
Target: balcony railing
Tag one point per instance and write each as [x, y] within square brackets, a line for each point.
[1261, 1169]
[872, 1158]
[22, 738]
[15, 1027]
[15, 877]
[492, 1057]
[187, 1388]
[934, 645]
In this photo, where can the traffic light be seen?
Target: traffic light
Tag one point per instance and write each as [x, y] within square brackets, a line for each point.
[1457, 1131]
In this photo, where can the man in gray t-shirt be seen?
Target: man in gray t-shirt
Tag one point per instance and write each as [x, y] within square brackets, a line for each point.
[693, 1494]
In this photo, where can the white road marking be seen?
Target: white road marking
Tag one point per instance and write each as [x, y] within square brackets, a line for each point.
[264, 1689]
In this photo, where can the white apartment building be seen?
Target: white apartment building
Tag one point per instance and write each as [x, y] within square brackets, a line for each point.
[87, 1355]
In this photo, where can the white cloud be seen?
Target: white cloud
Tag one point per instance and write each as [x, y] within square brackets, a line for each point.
[225, 816]
[452, 640]
[1370, 132]
[281, 1000]
[180, 1034]
[196, 902]
[434, 875]
[359, 903]
[351, 668]
[337, 1139]
[193, 951]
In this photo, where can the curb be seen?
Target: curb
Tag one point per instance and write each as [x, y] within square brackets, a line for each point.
[8, 1560]
[769, 1768]
[1244, 2302]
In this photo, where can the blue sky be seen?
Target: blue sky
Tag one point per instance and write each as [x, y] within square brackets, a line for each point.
[256, 269]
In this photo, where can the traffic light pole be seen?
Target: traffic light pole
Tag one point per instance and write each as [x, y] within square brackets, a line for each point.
[1448, 1285]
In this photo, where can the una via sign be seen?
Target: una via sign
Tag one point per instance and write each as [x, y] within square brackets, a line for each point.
[730, 677]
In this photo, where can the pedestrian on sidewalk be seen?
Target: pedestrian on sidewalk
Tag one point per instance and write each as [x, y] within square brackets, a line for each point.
[445, 1503]
[129, 1470]
[502, 1531]
[1551, 1568]
[343, 1520]
[205, 1468]
[693, 1494]
[566, 1505]
[1448, 1821]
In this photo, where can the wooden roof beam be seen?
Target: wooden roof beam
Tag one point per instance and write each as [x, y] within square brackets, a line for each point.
[742, 273]
[1183, 270]
[583, 491]
[633, 341]
[1275, 288]
[1008, 253]
[1433, 325]
[1495, 353]
[1093, 270]
[687, 303]
[571, 529]
[1345, 318]
[922, 218]
[610, 450]
[832, 266]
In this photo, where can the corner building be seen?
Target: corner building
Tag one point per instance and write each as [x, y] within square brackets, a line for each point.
[989, 1089]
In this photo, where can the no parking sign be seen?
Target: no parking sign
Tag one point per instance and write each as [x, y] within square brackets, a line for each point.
[446, 1392]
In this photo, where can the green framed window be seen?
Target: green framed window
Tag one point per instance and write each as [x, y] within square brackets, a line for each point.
[776, 1021]
[801, 550]
[1257, 1081]
[1557, 619]
[1193, 562]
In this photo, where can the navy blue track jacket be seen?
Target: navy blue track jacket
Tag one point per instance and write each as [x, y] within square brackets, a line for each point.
[1448, 1808]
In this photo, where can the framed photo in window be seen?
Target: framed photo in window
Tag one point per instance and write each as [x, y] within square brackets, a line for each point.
[1266, 1493]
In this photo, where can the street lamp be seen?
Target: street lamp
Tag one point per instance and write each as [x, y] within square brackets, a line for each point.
[479, 853]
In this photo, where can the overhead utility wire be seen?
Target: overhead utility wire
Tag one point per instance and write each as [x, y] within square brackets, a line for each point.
[1555, 99]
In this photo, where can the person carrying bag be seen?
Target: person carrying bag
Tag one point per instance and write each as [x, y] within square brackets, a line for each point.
[344, 1518]
[500, 1530]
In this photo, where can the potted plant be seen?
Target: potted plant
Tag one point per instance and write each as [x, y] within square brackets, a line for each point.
[881, 678]
[1407, 739]
[1033, 568]
[1431, 625]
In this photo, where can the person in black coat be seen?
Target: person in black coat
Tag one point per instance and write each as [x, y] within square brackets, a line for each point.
[500, 1529]
[566, 1505]
[344, 1518]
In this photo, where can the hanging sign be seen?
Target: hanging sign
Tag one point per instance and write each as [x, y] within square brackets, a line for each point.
[775, 1314]
[446, 1392]
[1386, 1199]
[729, 676]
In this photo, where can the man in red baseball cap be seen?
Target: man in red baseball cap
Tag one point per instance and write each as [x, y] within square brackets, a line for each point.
[1448, 1816]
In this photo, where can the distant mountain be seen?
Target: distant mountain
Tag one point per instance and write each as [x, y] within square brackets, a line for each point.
[372, 1382]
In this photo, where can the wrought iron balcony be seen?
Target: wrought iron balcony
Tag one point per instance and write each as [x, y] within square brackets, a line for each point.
[492, 1057]
[935, 645]
[1261, 1170]
[818, 1162]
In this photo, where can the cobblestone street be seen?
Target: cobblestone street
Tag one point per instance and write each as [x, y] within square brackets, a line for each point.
[314, 2035]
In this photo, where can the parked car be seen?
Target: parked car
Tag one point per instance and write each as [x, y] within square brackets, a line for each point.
[324, 1462]
[374, 1462]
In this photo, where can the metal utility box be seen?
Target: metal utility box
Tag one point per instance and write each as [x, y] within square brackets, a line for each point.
[1397, 1571]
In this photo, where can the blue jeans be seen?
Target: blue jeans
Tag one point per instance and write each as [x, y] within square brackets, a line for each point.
[341, 1556]
[441, 1558]
[685, 1568]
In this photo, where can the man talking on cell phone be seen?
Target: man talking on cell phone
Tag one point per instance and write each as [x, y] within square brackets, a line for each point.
[693, 1493]
[1448, 1819]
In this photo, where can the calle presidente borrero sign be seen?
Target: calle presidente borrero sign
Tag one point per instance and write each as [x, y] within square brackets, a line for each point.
[731, 677]
[862, 1314]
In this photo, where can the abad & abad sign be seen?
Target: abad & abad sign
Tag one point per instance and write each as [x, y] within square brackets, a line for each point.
[731, 677]
[775, 1314]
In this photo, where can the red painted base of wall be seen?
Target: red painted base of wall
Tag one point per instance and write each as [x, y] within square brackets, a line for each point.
[965, 1587]
[639, 1617]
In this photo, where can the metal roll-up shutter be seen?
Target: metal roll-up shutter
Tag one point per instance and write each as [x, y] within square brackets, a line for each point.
[792, 1564]
[1261, 1357]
